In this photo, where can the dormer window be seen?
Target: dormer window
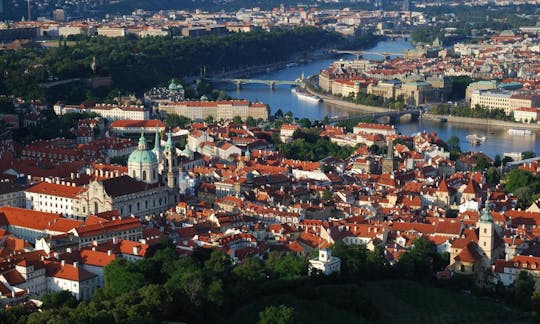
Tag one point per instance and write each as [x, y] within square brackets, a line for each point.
[533, 266]
[516, 264]
[525, 265]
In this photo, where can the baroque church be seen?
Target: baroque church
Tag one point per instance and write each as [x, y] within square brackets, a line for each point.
[150, 187]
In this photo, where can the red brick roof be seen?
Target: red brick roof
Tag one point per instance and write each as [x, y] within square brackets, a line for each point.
[67, 271]
[53, 189]
[152, 123]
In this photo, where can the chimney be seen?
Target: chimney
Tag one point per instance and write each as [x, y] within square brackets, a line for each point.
[75, 264]
[109, 252]
[56, 255]
[136, 250]
[115, 240]
[63, 262]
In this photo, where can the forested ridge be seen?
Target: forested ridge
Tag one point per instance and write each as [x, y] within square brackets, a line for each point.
[136, 64]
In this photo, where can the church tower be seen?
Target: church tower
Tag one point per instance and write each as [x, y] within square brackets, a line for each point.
[389, 165]
[143, 164]
[171, 163]
[486, 235]
[158, 151]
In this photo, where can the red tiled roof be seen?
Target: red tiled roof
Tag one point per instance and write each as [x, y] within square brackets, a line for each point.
[53, 189]
[67, 271]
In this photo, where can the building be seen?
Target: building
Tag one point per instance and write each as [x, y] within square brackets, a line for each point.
[226, 110]
[370, 128]
[12, 194]
[53, 198]
[503, 100]
[107, 111]
[325, 263]
[71, 277]
[527, 115]
[112, 31]
[31, 225]
[147, 189]
[123, 127]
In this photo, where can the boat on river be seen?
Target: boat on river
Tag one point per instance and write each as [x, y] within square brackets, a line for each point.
[474, 139]
[305, 96]
[519, 131]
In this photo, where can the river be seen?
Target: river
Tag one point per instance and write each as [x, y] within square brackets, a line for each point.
[498, 139]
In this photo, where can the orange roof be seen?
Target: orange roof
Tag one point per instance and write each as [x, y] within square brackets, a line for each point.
[96, 258]
[53, 189]
[152, 123]
[114, 225]
[67, 271]
[26, 218]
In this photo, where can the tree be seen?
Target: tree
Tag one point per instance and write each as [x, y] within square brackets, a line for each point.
[250, 121]
[453, 143]
[209, 119]
[528, 155]
[481, 164]
[121, 277]
[174, 120]
[522, 290]
[237, 120]
[497, 161]
[535, 302]
[493, 176]
[277, 315]
[58, 299]
[251, 269]
[219, 264]
[279, 113]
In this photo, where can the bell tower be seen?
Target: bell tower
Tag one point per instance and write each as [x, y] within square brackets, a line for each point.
[486, 235]
[171, 163]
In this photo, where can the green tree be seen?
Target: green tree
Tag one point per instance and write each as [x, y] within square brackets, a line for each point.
[237, 119]
[174, 120]
[121, 277]
[481, 164]
[209, 119]
[277, 315]
[250, 269]
[528, 155]
[522, 290]
[250, 121]
[58, 299]
[497, 162]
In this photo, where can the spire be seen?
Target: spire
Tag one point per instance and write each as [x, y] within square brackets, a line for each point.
[142, 143]
[169, 146]
[390, 152]
[486, 214]
[157, 143]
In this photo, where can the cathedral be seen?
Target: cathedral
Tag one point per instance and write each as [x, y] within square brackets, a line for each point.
[150, 187]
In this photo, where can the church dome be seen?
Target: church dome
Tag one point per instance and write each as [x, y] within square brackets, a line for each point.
[142, 154]
[142, 157]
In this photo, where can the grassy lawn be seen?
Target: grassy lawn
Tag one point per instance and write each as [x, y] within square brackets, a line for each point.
[381, 302]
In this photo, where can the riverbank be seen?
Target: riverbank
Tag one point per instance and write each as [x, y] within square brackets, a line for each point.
[433, 117]
[258, 69]
[481, 121]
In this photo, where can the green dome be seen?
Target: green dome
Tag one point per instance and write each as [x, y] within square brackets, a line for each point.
[138, 156]
[141, 154]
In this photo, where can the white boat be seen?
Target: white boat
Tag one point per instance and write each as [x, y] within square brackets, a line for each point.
[475, 139]
[518, 131]
[305, 96]
[290, 65]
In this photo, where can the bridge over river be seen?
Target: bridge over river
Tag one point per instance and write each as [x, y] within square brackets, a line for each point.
[240, 82]
[391, 116]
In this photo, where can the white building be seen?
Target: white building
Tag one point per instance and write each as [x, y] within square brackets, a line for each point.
[226, 110]
[526, 115]
[505, 101]
[107, 111]
[12, 194]
[71, 277]
[326, 263]
[371, 128]
[53, 198]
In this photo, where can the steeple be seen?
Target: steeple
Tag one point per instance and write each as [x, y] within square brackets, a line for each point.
[142, 143]
[157, 145]
[486, 216]
[169, 146]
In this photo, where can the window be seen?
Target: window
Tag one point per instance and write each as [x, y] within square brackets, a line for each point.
[144, 175]
[485, 230]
